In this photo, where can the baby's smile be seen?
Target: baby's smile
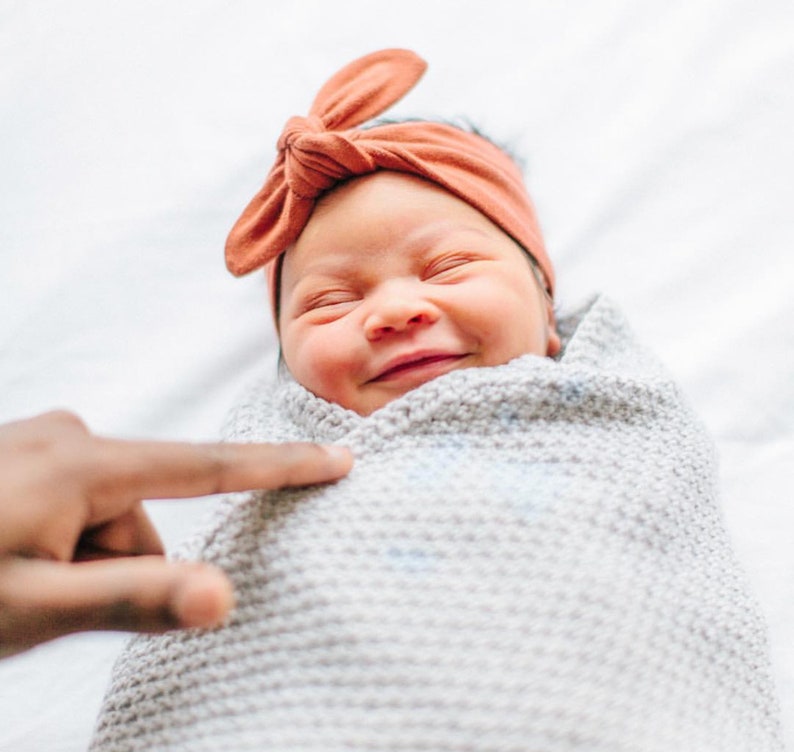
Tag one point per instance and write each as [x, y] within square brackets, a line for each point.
[417, 367]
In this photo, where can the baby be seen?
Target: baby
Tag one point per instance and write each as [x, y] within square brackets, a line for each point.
[528, 553]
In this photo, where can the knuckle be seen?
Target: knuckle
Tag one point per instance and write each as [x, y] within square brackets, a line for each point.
[61, 436]
[64, 420]
[62, 446]
[218, 461]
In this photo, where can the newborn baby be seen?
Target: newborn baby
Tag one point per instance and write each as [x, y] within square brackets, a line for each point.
[528, 553]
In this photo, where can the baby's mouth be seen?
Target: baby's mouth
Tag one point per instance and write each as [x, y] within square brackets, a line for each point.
[418, 364]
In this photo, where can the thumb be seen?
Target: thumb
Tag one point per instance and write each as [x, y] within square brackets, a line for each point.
[40, 600]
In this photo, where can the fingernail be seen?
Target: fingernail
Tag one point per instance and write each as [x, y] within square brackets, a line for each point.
[204, 599]
[341, 457]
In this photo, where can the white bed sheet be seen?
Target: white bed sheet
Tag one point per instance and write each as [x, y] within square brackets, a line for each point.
[658, 141]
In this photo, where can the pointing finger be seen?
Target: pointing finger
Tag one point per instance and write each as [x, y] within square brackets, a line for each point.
[147, 470]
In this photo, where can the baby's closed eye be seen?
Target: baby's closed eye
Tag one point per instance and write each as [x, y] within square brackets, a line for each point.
[449, 266]
[322, 299]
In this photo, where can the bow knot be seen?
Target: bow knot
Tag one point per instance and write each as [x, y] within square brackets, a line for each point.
[297, 127]
[315, 159]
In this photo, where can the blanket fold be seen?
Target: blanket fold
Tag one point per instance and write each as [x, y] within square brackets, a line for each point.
[525, 557]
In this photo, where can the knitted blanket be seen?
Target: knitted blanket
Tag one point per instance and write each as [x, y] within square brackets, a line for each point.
[527, 557]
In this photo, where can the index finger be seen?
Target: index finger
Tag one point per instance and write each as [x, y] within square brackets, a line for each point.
[146, 470]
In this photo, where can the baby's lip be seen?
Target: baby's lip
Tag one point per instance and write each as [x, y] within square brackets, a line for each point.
[414, 360]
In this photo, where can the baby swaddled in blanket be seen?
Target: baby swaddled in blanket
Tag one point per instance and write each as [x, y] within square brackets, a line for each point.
[528, 554]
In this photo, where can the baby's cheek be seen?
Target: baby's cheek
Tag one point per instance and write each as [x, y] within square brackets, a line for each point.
[301, 356]
[321, 366]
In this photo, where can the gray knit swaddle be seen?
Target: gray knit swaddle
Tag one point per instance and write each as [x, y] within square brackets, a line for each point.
[524, 558]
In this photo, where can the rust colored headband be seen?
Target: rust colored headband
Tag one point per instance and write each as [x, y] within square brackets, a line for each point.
[325, 148]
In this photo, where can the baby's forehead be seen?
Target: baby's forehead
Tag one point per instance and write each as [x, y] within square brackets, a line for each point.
[415, 249]
[389, 209]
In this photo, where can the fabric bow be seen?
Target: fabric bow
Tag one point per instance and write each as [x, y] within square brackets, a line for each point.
[325, 148]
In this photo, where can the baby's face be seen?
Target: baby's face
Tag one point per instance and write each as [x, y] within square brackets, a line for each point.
[395, 281]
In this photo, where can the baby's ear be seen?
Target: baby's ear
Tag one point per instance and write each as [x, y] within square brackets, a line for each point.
[553, 344]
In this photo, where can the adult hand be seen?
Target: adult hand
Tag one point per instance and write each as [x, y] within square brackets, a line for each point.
[77, 551]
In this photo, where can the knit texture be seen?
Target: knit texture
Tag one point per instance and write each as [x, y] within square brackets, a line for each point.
[524, 558]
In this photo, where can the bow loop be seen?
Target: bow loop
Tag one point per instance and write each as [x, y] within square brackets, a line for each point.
[367, 87]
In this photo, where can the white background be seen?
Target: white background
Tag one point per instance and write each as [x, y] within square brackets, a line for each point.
[659, 151]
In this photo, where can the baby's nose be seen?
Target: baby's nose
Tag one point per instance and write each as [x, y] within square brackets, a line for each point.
[399, 313]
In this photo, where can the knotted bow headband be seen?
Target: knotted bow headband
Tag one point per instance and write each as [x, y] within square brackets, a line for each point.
[325, 148]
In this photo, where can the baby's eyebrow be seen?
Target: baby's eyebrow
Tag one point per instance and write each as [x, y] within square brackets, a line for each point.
[325, 274]
[428, 237]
